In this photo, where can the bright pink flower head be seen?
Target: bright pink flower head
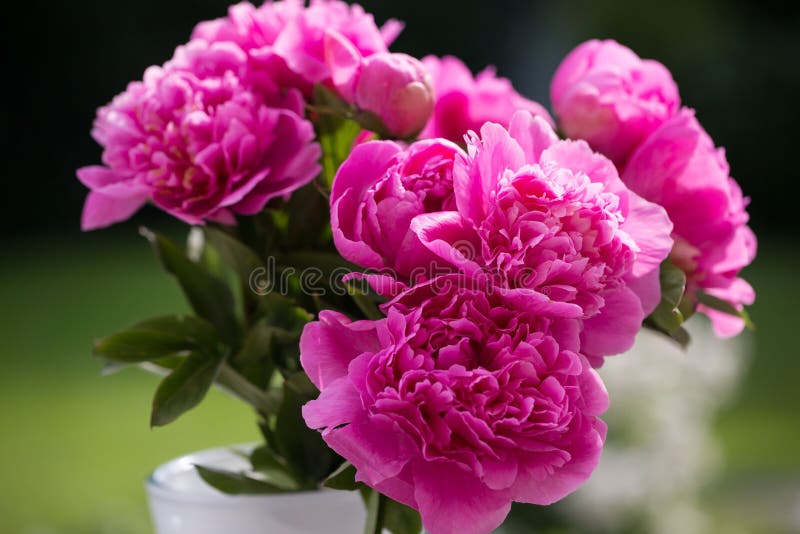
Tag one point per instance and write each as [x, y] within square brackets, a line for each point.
[197, 142]
[396, 88]
[285, 39]
[249, 27]
[458, 403]
[464, 103]
[605, 94]
[679, 168]
[378, 190]
[552, 217]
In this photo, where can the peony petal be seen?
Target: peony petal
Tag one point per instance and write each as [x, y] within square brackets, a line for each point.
[362, 169]
[540, 485]
[579, 158]
[344, 61]
[100, 210]
[454, 501]
[338, 403]
[375, 445]
[614, 328]
[533, 134]
[450, 237]
[329, 345]
[384, 285]
[97, 177]
[475, 180]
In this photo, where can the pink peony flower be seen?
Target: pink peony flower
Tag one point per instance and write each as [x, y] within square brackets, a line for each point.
[285, 39]
[605, 94]
[378, 190]
[552, 217]
[396, 88]
[250, 27]
[458, 403]
[679, 168]
[464, 103]
[197, 142]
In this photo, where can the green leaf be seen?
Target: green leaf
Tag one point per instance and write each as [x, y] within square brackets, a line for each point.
[302, 386]
[401, 519]
[255, 359]
[278, 328]
[235, 483]
[335, 131]
[306, 454]
[184, 388]
[208, 295]
[134, 346]
[284, 316]
[723, 306]
[679, 335]
[667, 315]
[266, 462]
[239, 256]
[673, 283]
[158, 338]
[371, 122]
[195, 330]
[308, 224]
[344, 478]
[366, 304]
[376, 513]
[330, 267]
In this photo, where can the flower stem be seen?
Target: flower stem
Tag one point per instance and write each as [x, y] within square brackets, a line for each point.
[376, 508]
[235, 384]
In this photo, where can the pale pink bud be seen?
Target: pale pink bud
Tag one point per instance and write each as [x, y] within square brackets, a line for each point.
[396, 88]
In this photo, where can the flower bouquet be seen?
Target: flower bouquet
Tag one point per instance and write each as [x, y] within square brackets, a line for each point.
[409, 272]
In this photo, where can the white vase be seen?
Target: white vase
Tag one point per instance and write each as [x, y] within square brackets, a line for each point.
[181, 503]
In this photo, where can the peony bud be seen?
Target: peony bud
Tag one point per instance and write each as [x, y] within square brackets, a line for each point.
[396, 88]
[605, 94]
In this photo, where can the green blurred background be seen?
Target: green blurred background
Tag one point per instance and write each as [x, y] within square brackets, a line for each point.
[75, 447]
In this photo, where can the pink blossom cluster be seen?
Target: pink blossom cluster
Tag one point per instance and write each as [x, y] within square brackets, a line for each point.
[629, 109]
[512, 262]
[457, 403]
[511, 267]
[198, 141]
[221, 128]
[464, 103]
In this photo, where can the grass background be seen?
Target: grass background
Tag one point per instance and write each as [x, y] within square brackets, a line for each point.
[75, 447]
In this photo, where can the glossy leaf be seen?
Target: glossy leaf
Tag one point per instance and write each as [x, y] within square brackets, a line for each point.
[401, 519]
[335, 130]
[305, 452]
[184, 388]
[343, 478]
[376, 513]
[208, 295]
[239, 256]
[255, 359]
[158, 338]
[235, 483]
[135, 346]
[667, 315]
[269, 465]
[308, 224]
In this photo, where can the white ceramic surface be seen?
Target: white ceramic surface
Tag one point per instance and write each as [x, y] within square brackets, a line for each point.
[181, 503]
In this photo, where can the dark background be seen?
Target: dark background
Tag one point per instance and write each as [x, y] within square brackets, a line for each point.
[735, 62]
[75, 446]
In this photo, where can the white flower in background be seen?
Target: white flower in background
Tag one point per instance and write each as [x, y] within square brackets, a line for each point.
[661, 449]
